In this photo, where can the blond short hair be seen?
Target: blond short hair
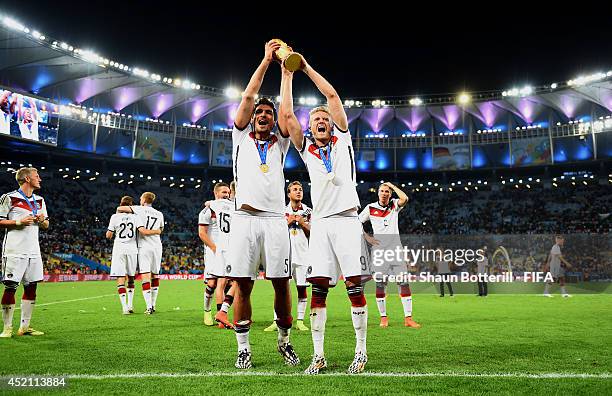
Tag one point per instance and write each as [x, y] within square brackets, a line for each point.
[22, 173]
[148, 197]
[322, 108]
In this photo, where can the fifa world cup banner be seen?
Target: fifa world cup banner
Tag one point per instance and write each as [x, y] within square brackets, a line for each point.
[221, 153]
[27, 118]
[451, 157]
[75, 277]
[154, 146]
[531, 151]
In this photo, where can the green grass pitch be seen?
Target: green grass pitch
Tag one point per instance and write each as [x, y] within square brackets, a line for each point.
[504, 343]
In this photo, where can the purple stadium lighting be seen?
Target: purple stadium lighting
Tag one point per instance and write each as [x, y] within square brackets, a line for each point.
[377, 118]
[447, 115]
[123, 97]
[412, 117]
[489, 113]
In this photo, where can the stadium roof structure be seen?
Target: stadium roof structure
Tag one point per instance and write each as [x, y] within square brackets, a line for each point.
[35, 64]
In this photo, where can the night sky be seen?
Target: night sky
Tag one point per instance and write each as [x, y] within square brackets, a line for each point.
[362, 51]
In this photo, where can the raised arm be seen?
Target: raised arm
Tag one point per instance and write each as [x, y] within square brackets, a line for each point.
[33, 109]
[403, 198]
[125, 209]
[289, 121]
[245, 109]
[333, 100]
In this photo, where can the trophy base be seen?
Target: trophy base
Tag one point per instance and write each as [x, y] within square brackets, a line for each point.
[293, 62]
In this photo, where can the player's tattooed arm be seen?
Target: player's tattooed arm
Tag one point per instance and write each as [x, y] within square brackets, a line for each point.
[333, 99]
[245, 109]
[403, 197]
[287, 119]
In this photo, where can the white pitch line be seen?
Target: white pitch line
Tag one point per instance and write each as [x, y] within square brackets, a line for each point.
[339, 374]
[68, 301]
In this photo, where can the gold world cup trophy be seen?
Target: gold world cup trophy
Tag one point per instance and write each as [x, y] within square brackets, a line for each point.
[287, 57]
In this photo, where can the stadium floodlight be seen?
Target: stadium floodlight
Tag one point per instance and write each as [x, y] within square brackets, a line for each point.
[302, 100]
[120, 181]
[164, 179]
[464, 98]
[148, 177]
[526, 90]
[171, 185]
[12, 23]
[376, 103]
[415, 101]
[232, 93]
[553, 85]
[197, 186]
[311, 101]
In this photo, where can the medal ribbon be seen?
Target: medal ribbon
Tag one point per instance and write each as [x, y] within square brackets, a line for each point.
[327, 160]
[33, 208]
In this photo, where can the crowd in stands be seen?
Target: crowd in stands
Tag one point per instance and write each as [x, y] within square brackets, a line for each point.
[79, 212]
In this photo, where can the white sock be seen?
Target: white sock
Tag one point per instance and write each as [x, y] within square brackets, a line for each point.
[154, 295]
[27, 306]
[7, 314]
[275, 316]
[318, 317]
[301, 308]
[283, 336]
[243, 341]
[207, 301]
[360, 324]
[563, 290]
[225, 307]
[130, 298]
[123, 299]
[382, 306]
[407, 304]
[147, 297]
[547, 288]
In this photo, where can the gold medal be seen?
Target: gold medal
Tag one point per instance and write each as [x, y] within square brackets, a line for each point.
[264, 168]
[294, 232]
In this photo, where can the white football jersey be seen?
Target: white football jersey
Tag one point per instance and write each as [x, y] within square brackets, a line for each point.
[263, 191]
[223, 209]
[125, 226]
[21, 242]
[384, 219]
[208, 217]
[152, 219]
[29, 130]
[555, 253]
[299, 241]
[331, 198]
